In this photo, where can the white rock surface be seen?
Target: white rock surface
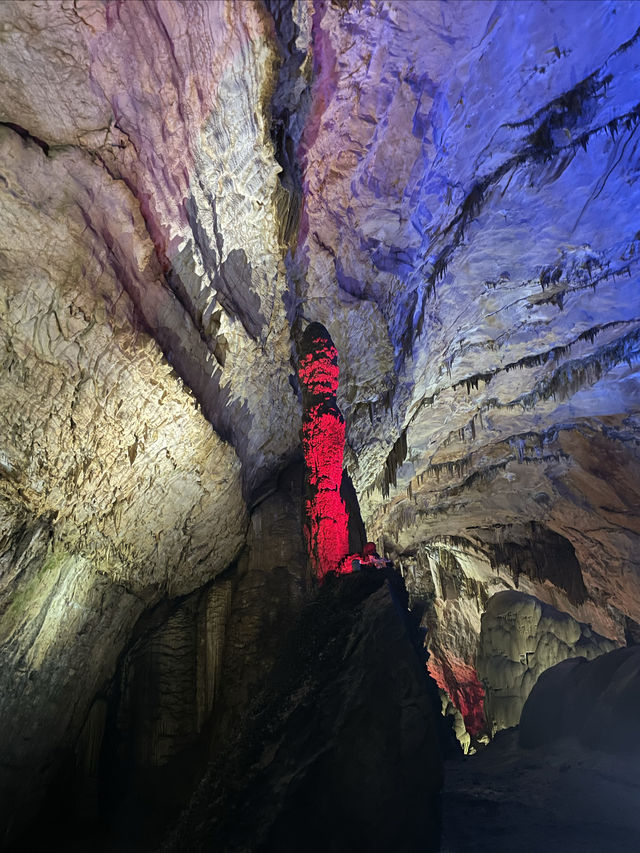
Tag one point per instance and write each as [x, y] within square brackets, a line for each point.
[520, 638]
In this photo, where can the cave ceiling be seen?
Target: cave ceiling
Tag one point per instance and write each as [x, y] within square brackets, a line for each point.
[450, 188]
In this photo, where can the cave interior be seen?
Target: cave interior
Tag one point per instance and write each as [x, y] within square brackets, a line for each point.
[319, 426]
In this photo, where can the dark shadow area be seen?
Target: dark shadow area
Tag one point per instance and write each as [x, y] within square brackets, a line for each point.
[543, 555]
[552, 799]
[341, 751]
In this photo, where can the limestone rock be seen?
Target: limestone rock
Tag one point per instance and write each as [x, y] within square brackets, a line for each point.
[187, 671]
[162, 104]
[484, 238]
[520, 638]
[63, 631]
[556, 798]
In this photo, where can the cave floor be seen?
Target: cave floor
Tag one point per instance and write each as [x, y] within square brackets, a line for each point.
[557, 799]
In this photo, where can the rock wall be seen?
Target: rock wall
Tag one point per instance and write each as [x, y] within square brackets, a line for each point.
[342, 750]
[112, 337]
[176, 688]
[489, 640]
[63, 630]
[469, 171]
[152, 119]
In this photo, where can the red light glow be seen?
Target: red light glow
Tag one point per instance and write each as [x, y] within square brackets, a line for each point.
[460, 681]
[323, 432]
[319, 371]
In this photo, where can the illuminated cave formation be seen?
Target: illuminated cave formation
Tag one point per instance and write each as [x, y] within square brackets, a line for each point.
[460, 682]
[323, 432]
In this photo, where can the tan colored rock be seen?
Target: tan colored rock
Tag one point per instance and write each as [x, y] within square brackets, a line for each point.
[100, 435]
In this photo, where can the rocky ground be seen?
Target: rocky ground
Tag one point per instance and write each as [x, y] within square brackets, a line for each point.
[557, 799]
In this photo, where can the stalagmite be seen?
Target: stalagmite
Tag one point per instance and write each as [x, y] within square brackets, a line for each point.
[323, 431]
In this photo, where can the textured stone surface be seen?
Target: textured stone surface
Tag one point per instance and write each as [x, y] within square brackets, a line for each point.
[559, 797]
[268, 588]
[190, 670]
[102, 443]
[347, 725]
[449, 603]
[520, 638]
[469, 170]
[433, 152]
[99, 434]
[62, 634]
[170, 677]
[491, 311]
[163, 104]
[115, 490]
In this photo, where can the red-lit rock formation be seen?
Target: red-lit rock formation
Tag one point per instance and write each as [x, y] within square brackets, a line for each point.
[461, 683]
[323, 430]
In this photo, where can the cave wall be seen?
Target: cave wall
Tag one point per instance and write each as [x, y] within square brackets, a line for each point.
[341, 751]
[168, 689]
[594, 702]
[163, 106]
[116, 492]
[470, 171]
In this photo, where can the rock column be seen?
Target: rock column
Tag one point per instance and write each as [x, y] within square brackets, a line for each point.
[323, 431]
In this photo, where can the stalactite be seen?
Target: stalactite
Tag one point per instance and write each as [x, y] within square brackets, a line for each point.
[540, 146]
[461, 683]
[542, 555]
[212, 625]
[90, 741]
[571, 377]
[394, 460]
[472, 382]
